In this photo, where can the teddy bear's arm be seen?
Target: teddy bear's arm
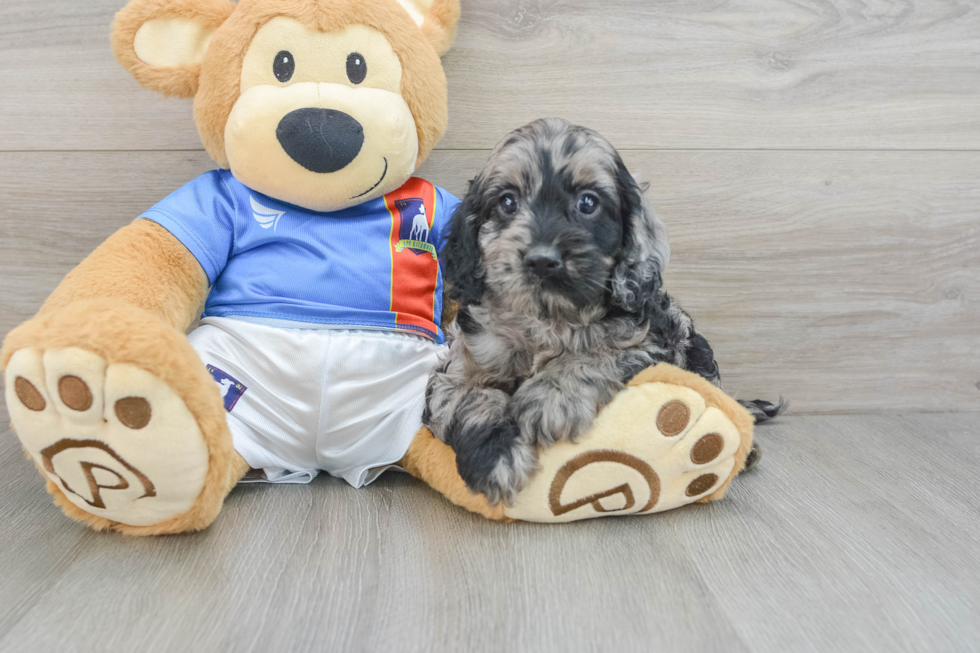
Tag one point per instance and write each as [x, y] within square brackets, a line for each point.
[107, 357]
[144, 265]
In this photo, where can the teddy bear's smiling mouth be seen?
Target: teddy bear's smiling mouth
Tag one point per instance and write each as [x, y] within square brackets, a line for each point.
[383, 174]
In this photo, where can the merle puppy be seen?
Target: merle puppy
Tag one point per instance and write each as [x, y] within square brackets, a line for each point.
[555, 261]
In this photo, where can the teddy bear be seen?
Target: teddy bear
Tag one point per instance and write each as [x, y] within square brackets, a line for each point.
[315, 255]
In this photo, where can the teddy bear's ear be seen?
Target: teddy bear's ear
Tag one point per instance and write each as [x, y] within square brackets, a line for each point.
[437, 18]
[162, 42]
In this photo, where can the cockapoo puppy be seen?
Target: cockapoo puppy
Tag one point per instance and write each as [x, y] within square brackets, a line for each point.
[555, 260]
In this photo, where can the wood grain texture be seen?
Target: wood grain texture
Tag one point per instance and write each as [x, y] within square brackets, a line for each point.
[856, 533]
[845, 281]
[698, 74]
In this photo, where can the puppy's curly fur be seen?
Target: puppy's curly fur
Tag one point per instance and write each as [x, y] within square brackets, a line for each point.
[555, 260]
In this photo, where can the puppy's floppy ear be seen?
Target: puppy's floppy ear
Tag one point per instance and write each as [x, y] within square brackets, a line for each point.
[646, 249]
[462, 258]
[437, 18]
[162, 42]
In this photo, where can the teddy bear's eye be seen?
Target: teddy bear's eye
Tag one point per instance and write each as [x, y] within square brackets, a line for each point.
[284, 66]
[356, 68]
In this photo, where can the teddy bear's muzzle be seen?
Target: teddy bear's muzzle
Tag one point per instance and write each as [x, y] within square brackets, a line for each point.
[320, 140]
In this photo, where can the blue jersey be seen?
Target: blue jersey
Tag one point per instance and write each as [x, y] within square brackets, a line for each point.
[374, 265]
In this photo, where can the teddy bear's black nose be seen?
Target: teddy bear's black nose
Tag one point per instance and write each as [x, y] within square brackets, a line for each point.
[321, 140]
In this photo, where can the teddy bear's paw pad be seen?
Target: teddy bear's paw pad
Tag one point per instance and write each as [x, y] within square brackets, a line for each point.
[116, 440]
[657, 446]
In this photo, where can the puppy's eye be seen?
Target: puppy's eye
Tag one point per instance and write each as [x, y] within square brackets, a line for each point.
[588, 203]
[508, 204]
[356, 68]
[283, 66]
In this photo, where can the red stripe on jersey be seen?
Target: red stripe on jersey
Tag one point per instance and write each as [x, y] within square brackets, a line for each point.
[414, 266]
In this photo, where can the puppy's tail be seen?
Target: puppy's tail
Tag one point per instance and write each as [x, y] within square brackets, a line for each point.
[762, 410]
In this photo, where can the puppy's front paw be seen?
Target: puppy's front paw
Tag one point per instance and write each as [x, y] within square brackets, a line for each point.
[547, 414]
[493, 461]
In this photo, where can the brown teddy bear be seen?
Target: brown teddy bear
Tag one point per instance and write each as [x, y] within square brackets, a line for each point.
[316, 257]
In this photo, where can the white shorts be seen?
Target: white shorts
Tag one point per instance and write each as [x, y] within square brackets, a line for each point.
[299, 401]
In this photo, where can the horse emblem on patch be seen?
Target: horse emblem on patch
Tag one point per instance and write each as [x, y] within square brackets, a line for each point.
[413, 228]
[231, 388]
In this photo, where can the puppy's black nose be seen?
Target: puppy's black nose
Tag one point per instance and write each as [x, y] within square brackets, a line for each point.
[321, 140]
[543, 262]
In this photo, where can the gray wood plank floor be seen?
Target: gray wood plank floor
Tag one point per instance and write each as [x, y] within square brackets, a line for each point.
[858, 533]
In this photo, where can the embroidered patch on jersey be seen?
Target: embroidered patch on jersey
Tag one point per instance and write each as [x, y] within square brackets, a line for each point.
[265, 216]
[231, 388]
[413, 229]
[414, 263]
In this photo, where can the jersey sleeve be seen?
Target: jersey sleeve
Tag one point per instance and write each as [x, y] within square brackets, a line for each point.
[446, 205]
[201, 215]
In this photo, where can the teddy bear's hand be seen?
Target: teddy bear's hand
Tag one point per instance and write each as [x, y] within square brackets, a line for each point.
[120, 416]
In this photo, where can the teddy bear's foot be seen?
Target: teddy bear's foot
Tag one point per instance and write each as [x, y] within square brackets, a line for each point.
[120, 449]
[115, 439]
[669, 439]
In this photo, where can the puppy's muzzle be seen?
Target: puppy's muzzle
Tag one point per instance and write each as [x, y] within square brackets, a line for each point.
[543, 262]
[320, 140]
